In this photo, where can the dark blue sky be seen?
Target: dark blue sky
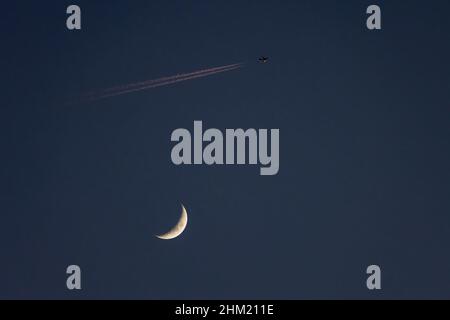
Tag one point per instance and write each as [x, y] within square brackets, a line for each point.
[364, 150]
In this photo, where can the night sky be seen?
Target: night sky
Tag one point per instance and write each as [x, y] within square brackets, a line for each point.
[364, 150]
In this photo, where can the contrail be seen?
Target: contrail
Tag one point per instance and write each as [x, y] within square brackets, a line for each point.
[145, 85]
[147, 82]
[160, 84]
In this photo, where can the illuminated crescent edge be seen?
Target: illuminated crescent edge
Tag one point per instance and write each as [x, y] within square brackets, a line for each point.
[178, 228]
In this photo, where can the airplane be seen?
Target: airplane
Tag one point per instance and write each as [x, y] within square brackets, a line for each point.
[263, 59]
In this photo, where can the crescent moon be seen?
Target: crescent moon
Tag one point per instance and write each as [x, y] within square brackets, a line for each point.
[179, 227]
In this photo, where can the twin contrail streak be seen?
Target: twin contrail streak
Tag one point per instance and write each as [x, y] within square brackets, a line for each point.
[145, 85]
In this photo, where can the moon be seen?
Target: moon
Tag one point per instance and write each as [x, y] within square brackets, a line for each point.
[179, 227]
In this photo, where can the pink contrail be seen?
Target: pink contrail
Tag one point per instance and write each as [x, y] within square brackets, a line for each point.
[161, 83]
[148, 84]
